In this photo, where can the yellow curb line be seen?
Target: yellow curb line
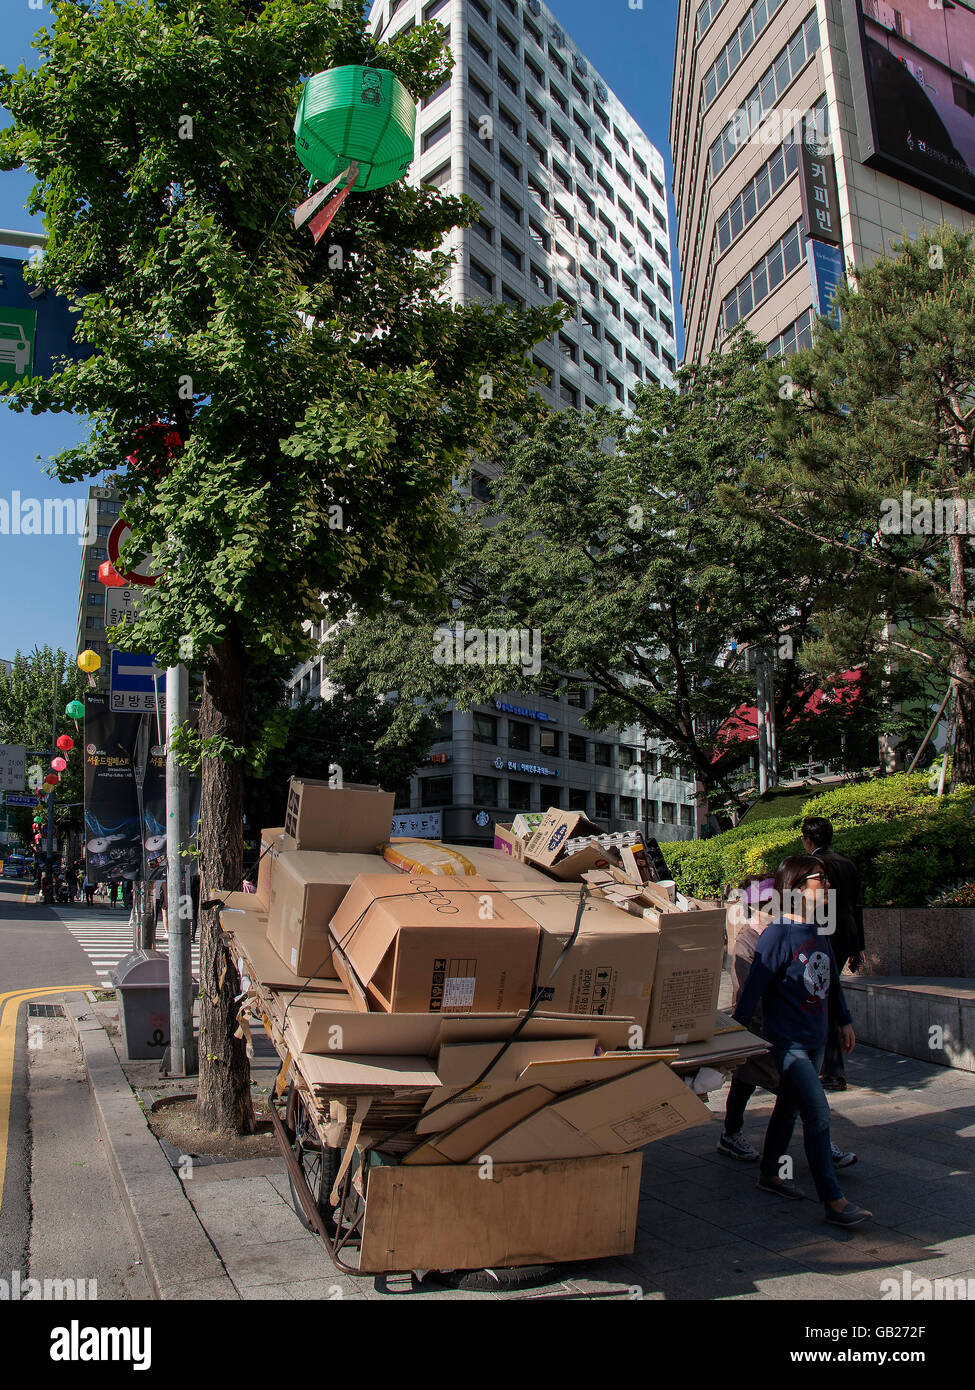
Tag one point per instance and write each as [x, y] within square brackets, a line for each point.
[8, 1043]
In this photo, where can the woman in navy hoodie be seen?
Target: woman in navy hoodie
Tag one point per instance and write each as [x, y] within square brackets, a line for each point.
[794, 979]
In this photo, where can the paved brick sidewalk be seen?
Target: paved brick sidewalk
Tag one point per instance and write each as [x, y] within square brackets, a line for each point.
[705, 1231]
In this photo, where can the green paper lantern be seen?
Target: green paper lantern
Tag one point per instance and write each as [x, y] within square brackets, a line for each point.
[355, 113]
[75, 710]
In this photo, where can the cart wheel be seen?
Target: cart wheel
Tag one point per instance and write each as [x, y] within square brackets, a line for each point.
[491, 1280]
[320, 1164]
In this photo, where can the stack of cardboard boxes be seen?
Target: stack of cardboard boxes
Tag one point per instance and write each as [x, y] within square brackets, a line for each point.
[522, 1007]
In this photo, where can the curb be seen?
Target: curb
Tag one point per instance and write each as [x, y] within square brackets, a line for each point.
[179, 1261]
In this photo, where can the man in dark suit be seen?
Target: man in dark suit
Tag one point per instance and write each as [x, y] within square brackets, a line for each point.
[847, 940]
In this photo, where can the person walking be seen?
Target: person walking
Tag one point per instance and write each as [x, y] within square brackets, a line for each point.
[88, 888]
[756, 1071]
[793, 977]
[847, 940]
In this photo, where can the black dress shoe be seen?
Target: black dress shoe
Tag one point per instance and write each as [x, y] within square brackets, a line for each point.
[834, 1083]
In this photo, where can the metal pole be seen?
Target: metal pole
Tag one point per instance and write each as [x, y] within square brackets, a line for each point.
[182, 1046]
[54, 744]
[934, 724]
[761, 723]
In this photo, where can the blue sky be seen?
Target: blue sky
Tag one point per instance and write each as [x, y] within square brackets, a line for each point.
[631, 48]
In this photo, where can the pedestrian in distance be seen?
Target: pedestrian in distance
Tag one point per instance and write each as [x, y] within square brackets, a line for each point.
[88, 888]
[794, 979]
[848, 940]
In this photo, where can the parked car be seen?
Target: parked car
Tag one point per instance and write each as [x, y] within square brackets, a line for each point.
[14, 866]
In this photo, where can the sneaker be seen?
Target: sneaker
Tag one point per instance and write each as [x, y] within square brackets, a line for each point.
[782, 1187]
[735, 1147]
[841, 1159]
[851, 1215]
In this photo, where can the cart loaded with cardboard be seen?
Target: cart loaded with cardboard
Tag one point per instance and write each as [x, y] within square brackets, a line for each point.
[476, 1043]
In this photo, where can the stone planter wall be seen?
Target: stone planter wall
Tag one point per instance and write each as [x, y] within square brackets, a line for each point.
[934, 942]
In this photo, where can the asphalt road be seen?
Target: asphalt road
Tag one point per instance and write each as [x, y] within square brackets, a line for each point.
[37, 954]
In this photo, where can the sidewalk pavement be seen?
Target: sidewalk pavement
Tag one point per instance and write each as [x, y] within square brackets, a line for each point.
[705, 1231]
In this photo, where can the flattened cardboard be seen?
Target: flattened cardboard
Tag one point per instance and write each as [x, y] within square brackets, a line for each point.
[445, 944]
[612, 1117]
[496, 865]
[328, 1030]
[272, 842]
[346, 1072]
[242, 902]
[472, 1137]
[539, 1213]
[353, 819]
[458, 1064]
[307, 887]
[610, 967]
[687, 979]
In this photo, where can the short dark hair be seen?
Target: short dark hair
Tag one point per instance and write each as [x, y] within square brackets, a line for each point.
[793, 872]
[818, 830]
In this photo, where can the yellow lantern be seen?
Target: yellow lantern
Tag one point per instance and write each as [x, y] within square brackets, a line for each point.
[89, 661]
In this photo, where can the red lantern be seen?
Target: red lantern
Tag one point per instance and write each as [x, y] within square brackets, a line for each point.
[159, 438]
[108, 576]
[52, 779]
[58, 765]
[65, 743]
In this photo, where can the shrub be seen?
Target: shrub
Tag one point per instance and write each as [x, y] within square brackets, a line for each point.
[907, 843]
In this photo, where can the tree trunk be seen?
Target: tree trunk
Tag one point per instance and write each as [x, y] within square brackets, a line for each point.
[224, 1087]
[963, 705]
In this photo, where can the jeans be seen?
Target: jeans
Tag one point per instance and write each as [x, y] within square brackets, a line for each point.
[739, 1094]
[801, 1093]
[833, 1067]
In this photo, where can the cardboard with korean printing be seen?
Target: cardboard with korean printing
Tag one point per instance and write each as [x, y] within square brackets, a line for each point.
[610, 966]
[353, 819]
[419, 943]
[546, 848]
[690, 956]
[307, 888]
[612, 1117]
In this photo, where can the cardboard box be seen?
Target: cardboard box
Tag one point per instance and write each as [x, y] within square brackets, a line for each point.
[353, 819]
[609, 969]
[272, 842]
[306, 890]
[508, 842]
[419, 943]
[542, 1213]
[469, 1138]
[611, 1117]
[250, 932]
[690, 957]
[546, 848]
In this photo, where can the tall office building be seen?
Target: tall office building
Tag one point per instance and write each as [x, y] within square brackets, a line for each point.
[103, 512]
[575, 209]
[767, 220]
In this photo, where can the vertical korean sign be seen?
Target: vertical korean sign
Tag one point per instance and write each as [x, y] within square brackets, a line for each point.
[821, 222]
[113, 834]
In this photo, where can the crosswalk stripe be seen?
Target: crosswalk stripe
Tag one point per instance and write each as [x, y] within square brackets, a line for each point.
[106, 943]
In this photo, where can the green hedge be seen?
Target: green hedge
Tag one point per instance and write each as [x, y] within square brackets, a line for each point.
[907, 843]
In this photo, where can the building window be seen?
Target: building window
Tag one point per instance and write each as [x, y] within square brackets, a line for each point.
[535, 72]
[446, 729]
[558, 98]
[550, 742]
[627, 808]
[766, 92]
[535, 109]
[755, 21]
[509, 254]
[519, 796]
[481, 181]
[510, 165]
[519, 736]
[438, 178]
[436, 791]
[482, 277]
[98, 552]
[485, 791]
[614, 346]
[510, 209]
[562, 177]
[93, 623]
[687, 815]
[509, 297]
[668, 812]
[706, 13]
[577, 748]
[95, 598]
[604, 805]
[483, 229]
[436, 133]
[540, 279]
[481, 487]
[798, 335]
[763, 278]
[481, 49]
[428, 101]
[506, 79]
[485, 728]
[591, 367]
[508, 121]
[569, 393]
[602, 754]
[579, 799]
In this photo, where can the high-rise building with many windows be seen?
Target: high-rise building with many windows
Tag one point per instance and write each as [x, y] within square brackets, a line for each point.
[574, 208]
[808, 136]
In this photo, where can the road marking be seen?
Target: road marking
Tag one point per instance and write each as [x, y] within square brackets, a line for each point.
[9, 1008]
